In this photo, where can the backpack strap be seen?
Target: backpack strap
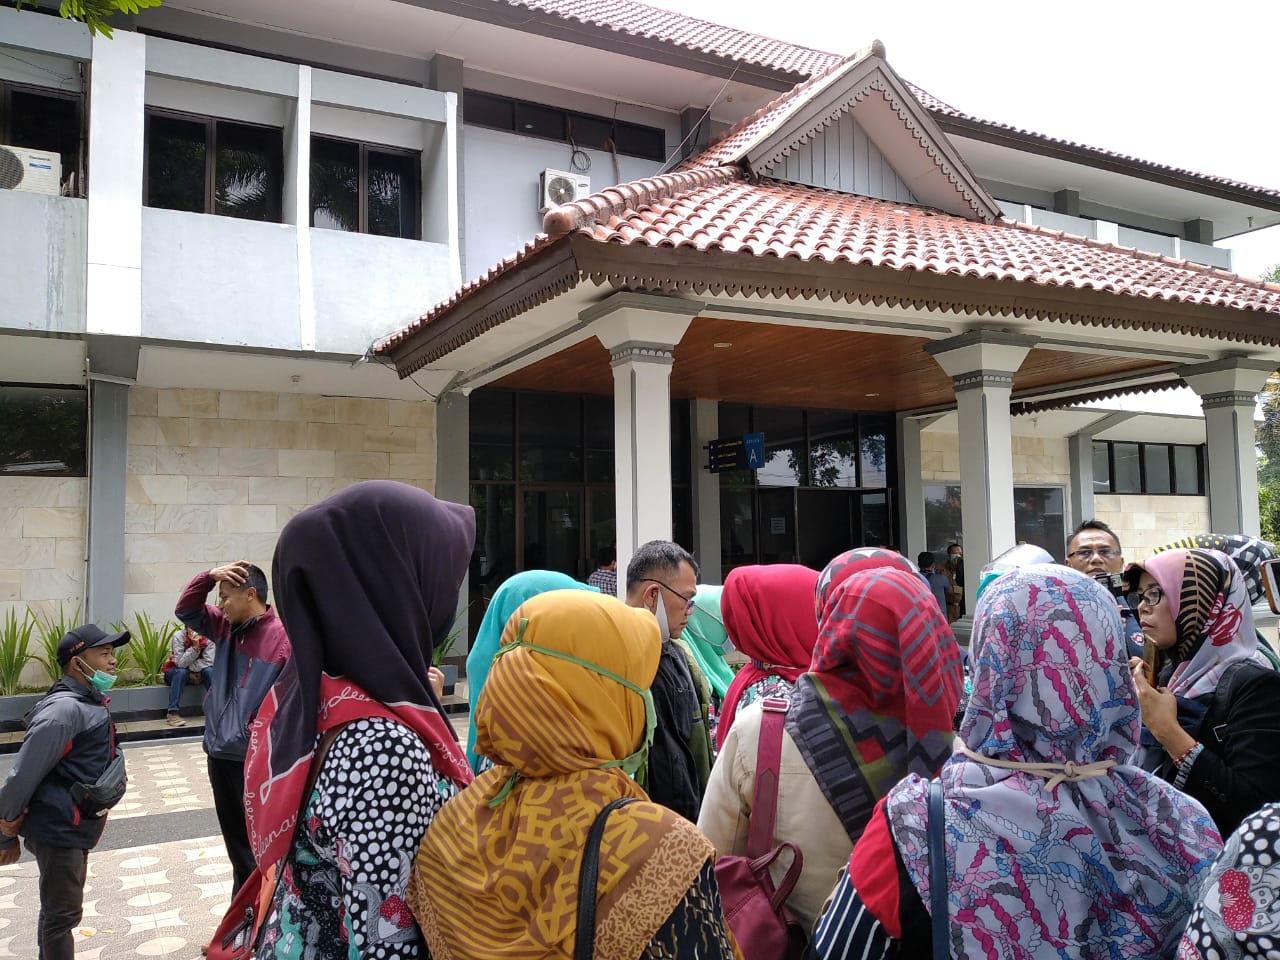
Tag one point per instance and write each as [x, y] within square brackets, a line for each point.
[584, 943]
[938, 873]
[1223, 693]
[764, 797]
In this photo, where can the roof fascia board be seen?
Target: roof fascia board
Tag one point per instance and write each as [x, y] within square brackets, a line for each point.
[850, 88]
[1030, 143]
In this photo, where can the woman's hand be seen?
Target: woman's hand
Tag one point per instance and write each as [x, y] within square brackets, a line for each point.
[1159, 712]
[436, 679]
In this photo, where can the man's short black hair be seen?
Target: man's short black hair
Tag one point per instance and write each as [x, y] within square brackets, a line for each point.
[606, 556]
[254, 577]
[1094, 524]
[925, 559]
[658, 558]
[953, 544]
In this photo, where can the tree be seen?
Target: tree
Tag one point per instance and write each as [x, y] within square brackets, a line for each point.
[94, 14]
[1269, 448]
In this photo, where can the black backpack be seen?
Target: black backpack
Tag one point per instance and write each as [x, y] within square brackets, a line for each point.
[671, 776]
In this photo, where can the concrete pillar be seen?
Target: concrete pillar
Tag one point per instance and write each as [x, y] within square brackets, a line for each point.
[453, 482]
[1080, 450]
[911, 532]
[981, 365]
[640, 332]
[705, 427]
[1228, 390]
[113, 285]
[297, 202]
[444, 73]
[1068, 202]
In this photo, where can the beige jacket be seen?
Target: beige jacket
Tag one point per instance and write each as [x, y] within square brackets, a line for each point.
[804, 816]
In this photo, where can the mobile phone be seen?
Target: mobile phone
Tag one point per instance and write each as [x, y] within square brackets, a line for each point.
[1270, 570]
[1149, 654]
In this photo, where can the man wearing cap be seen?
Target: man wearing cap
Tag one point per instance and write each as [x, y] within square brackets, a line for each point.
[69, 744]
[252, 648]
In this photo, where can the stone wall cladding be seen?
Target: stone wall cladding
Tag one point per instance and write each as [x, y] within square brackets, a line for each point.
[1144, 522]
[42, 543]
[214, 475]
[1035, 459]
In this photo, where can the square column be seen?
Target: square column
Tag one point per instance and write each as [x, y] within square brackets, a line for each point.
[981, 365]
[1228, 390]
[640, 332]
[911, 485]
[706, 493]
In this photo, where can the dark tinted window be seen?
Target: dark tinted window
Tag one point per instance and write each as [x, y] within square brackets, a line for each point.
[588, 131]
[335, 184]
[638, 141]
[786, 453]
[1128, 472]
[1155, 464]
[177, 151]
[42, 431]
[536, 121]
[1101, 468]
[1187, 472]
[488, 111]
[41, 121]
[247, 172]
[580, 129]
[833, 449]
[393, 194]
[875, 451]
[550, 437]
[493, 449]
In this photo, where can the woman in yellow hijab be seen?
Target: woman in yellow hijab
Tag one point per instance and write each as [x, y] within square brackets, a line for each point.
[567, 718]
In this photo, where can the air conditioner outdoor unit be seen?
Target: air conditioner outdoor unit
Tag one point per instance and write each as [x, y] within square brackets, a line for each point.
[558, 186]
[35, 171]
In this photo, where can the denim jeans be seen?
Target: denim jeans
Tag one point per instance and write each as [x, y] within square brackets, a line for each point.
[177, 679]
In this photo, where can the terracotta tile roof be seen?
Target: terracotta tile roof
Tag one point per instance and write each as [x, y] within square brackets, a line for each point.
[690, 33]
[731, 213]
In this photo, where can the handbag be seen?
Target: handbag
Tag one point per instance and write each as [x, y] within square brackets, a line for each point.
[237, 934]
[95, 799]
[754, 910]
[584, 943]
[938, 874]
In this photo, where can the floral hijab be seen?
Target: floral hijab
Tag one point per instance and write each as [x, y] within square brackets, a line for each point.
[563, 710]
[1209, 601]
[878, 700]
[1238, 914]
[514, 591]
[1057, 845]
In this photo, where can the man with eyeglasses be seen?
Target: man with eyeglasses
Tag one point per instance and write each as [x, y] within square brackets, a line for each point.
[662, 578]
[1094, 550]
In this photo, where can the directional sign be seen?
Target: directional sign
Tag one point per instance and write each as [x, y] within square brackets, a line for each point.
[736, 453]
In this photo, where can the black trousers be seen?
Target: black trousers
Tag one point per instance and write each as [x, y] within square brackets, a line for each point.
[226, 777]
[62, 875]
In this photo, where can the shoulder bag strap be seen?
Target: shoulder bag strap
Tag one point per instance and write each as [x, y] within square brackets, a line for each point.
[764, 797]
[585, 937]
[938, 873]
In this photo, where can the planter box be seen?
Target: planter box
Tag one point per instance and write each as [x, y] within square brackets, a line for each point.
[125, 702]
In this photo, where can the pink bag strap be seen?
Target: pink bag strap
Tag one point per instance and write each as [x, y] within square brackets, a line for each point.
[764, 798]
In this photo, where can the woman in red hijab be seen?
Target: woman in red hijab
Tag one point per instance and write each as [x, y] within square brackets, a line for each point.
[768, 614]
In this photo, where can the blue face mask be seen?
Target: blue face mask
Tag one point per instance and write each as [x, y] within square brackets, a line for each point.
[102, 682]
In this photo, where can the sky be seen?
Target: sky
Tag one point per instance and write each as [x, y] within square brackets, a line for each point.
[1192, 85]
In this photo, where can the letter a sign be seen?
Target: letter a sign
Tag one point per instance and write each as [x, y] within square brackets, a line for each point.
[754, 443]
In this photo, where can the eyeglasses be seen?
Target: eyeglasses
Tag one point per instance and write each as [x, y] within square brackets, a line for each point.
[1150, 596]
[1084, 553]
[688, 601]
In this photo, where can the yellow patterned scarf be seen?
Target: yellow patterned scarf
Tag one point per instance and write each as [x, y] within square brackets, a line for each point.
[497, 873]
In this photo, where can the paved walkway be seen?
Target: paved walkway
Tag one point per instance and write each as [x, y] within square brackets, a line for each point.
[159, 881]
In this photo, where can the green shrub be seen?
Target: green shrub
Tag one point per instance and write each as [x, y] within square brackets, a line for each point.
[149, 649]
[52, 630]
[15, 651]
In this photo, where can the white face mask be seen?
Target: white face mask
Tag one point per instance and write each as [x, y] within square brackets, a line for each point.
[661, 613]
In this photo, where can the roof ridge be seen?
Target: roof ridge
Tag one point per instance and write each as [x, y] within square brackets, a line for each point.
[1191, 265]
[621, 197]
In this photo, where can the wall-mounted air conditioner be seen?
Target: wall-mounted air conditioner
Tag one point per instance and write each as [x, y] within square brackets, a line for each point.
[35, 171]
[558, 186]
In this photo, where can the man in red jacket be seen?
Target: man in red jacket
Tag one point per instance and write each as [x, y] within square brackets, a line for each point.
[252, 648]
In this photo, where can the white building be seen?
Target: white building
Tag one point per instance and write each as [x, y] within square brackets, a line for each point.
[251, 196]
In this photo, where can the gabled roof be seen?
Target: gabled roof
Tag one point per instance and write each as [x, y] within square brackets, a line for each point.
[866, 87]
[775, 234]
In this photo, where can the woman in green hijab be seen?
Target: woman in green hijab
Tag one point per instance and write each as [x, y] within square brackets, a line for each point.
[705, 637]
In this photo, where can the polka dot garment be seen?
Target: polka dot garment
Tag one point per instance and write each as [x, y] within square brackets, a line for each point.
[341, 893]
[1238, 914]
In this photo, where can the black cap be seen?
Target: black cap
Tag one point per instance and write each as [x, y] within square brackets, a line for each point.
[83, 637]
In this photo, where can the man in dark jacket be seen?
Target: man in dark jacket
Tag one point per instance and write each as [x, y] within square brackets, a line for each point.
[70, 740]
[252, 647]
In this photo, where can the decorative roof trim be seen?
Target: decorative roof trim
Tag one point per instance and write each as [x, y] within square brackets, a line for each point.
[617, 200]
[1022, 408]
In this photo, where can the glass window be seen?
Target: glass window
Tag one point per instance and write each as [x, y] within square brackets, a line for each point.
[785, 450]
[737, 527]
[599, 421]
[1128, 472]
[1155, 465]
[681, 441]
[875, 451]
[393, 194]
[1101, 467]
[177, 152]
[550, 437]
[535, 121]
[486, 110]
[248, 168]
[602, 502]
[492, 431]
[335, 184]
[1188, 479]
[46, 121]
[580, 129]
[1038, 518]
[942, 524]
[494, 556]
[638, 141]
[875, 520]
[593, 132]
[824, 523]
[42, 431]
[833, 449]
[552, 521]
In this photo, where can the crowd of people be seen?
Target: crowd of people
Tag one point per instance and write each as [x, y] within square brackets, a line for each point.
[1116, 724]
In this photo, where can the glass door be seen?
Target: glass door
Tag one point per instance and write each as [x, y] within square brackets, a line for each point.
[776, 524]
[552, 524]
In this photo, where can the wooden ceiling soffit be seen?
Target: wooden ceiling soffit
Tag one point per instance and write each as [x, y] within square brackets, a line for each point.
[716, 272]
[552, 272]
[903, 130]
